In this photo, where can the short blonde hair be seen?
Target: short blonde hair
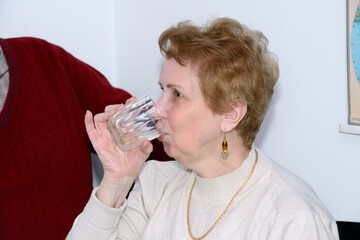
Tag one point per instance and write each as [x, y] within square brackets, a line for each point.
[232, 63]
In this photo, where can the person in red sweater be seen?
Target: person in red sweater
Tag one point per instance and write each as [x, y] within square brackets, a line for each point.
[45, 174]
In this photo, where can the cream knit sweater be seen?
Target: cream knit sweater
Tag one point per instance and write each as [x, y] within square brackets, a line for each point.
[275, 204]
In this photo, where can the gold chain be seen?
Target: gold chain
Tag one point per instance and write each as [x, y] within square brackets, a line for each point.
[227, 208]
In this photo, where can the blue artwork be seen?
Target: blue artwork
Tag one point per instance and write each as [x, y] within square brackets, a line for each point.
[355, 43]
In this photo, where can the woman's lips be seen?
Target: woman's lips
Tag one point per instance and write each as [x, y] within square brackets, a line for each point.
[162, 136]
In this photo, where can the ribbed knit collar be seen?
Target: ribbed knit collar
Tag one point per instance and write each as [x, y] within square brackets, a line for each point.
[224, 187]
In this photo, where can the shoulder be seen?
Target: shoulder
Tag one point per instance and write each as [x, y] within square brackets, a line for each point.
[289, 203]
[32, 42]
[306, 225]
[36, 49]
[289, 195]
[25, 40]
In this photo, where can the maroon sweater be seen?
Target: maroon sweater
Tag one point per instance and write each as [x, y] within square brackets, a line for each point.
[45, 173]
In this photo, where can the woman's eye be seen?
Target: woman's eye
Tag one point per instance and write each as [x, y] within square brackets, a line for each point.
[177, 93]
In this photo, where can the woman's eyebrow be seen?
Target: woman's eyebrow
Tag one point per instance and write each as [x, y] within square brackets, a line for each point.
[171, 85]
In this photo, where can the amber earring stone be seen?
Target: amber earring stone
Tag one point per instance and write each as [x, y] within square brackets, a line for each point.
[224, 153]
[224, 145]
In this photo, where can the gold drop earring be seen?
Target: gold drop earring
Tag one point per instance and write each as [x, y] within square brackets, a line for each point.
[224, 153]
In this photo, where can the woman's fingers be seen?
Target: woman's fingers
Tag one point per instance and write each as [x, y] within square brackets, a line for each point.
[89, 125]
[102, 117]
[116, 163]
[113, 108]
[130, 100]
[95, 125]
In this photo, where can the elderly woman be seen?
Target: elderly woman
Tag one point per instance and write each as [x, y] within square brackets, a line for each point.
[217, 83]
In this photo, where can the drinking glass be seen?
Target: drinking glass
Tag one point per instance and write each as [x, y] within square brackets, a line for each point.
[135, 122]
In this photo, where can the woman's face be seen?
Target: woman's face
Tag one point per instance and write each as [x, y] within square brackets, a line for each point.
[191, 130]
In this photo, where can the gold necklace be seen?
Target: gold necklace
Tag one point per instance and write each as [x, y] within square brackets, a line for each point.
[227, 208]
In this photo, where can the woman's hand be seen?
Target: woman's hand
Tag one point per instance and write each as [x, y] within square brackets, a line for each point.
[120, 167]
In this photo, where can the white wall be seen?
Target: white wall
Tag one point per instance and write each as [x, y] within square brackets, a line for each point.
[85, 28]
[119, 38]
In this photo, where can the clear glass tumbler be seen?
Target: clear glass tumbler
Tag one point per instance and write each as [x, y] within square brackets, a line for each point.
[135, 122]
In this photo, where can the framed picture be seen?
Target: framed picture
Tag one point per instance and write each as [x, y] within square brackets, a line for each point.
[353, 61]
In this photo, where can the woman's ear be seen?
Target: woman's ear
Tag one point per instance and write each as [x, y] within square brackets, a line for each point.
[235, 114]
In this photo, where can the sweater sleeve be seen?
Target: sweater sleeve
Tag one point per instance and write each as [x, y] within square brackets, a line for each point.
[306, 226]
[129, 222]
[97, 221]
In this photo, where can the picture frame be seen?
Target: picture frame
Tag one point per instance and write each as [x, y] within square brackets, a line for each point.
[353, 60]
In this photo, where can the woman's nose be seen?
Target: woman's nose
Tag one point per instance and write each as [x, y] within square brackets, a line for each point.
[161, 107]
